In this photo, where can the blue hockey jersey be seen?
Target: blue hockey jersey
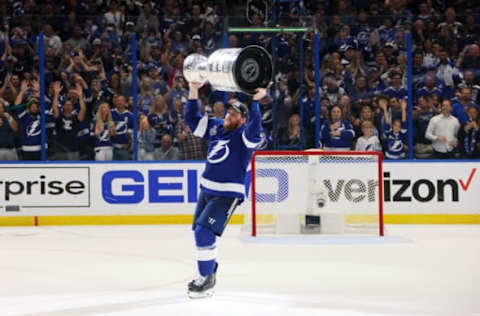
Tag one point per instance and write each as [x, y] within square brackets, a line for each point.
[103, 140]
[229, 152]
[347, 133]
[123, 123]
[395, 142]
[31, 131]
[426, 92]
[392, 92]
[49, 119]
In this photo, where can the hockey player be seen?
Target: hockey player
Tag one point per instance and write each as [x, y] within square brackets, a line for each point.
[230, 145]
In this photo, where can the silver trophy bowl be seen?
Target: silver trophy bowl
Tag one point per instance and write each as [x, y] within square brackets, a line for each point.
[231, 69]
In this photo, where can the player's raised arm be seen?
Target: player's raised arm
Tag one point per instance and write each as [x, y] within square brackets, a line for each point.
[193, 92]
[193, 116]
[251, 136]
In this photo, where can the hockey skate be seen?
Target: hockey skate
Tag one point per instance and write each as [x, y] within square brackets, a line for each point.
[203, 286]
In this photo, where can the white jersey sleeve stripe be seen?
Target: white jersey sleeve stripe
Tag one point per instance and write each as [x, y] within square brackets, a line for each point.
[248, 143]
[22, 114]
[201, 127]
[222, 186]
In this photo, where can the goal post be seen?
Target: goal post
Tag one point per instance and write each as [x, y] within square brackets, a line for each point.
[327, 192]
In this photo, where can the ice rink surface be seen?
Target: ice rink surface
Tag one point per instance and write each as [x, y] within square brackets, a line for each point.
[143, 270]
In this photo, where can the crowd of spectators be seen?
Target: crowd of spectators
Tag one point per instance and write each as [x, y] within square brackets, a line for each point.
[88, 77]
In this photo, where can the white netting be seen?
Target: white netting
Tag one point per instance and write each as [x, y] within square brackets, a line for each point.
[339, 190]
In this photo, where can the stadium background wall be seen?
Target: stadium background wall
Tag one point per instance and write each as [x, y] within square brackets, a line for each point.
[111, 193]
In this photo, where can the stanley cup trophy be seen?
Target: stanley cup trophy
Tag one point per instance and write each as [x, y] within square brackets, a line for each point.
[231, 69]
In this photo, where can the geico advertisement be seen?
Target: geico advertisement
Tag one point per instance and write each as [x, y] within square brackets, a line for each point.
[172, 188]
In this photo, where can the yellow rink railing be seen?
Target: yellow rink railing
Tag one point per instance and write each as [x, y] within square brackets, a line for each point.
[236, 219]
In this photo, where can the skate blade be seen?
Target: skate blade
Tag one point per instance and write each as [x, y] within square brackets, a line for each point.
[204, 294]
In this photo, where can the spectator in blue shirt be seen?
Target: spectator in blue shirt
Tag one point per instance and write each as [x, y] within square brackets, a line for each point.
[337, 133]
[396, 90]
[470, 58]
[418, 69]
[469, 82]
[429, 88]
[179, 44]
[465, 101]
[469, 135]
[360, 90]
[424, 12]
[160, 120]
[386, 31]
[309, 117]
[146, 97]
[447, 72]
[30, 124]
[103, 128]
[394, 133]
[123, 119]
[375, 83]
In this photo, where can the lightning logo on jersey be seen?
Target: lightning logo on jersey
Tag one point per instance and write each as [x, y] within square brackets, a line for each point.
[219, 152]
[104, 136]
[121, 126]
[34, 129]
[395, 141]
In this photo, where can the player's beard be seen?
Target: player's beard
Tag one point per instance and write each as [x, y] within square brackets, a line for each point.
[230, 125]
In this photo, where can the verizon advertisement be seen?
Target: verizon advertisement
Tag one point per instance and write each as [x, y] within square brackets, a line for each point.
[172, 188]
[434, 188]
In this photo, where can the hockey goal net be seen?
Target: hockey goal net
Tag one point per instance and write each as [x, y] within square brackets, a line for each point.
[294, 192]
